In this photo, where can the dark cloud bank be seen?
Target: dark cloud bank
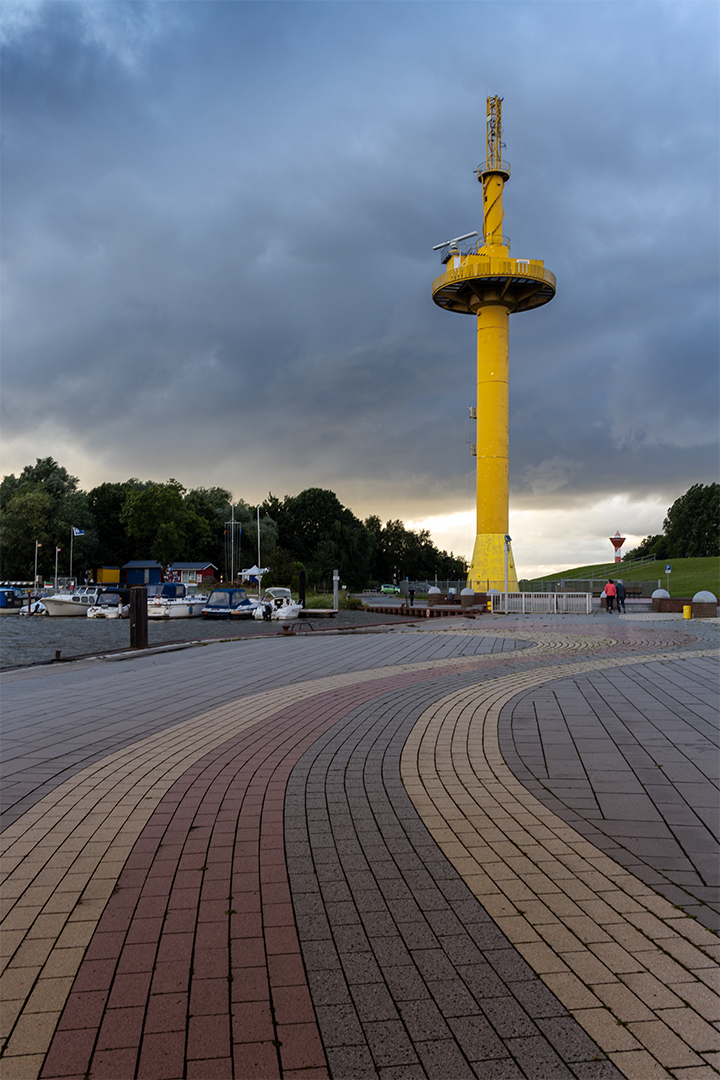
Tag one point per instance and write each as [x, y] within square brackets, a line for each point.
[217, 230]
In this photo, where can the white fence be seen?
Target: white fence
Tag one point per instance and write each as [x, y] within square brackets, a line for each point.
[543, 603]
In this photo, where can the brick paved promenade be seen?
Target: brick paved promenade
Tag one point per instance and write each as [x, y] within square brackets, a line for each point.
[487, 848]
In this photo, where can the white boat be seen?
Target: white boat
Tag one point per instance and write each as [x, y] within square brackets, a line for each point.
[277, 603]
[75, 602]
[172, 601]
[109, 605]
[35, 608]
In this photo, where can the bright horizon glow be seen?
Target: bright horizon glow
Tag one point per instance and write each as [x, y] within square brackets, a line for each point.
[546, 541]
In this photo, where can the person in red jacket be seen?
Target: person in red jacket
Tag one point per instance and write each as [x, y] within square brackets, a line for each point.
[610, 593]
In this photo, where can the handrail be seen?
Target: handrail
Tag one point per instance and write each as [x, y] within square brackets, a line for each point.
[486, 167]
[492, 267]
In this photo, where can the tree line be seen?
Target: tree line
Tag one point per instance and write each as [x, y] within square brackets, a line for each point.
[144, 519]
[690, 529]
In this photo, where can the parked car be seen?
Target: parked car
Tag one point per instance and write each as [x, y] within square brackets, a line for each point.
[390, 590]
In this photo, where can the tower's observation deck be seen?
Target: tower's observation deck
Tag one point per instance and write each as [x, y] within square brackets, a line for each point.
[490, 285]
[518, 284]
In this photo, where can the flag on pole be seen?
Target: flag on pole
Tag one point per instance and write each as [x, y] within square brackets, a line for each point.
[78, 532]
[58, 549]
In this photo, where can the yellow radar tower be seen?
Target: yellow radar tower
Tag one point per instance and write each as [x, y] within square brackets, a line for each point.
[490, 285]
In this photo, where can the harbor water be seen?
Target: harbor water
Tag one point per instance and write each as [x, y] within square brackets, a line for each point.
[37, 638]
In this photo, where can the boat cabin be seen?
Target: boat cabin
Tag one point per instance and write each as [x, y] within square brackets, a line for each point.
[11, 600]
[170, 590]
[223, 603]
[112, 597]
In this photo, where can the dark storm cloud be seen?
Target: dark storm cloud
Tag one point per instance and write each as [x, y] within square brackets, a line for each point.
[218, 221]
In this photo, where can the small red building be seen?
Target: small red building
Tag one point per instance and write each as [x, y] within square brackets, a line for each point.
[193, 573]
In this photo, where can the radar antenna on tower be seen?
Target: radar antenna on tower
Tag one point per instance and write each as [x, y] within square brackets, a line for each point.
[450, 247]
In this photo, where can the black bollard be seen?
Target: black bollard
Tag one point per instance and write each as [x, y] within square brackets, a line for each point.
[138, 617]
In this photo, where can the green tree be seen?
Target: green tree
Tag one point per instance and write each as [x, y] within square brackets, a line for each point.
[283, 570]
[691, 527]
[692, 523]
[652, 545]
[408, 553]
[207, 510]
[319, 531]
[114, 547]
[157, 518]
[42, 504]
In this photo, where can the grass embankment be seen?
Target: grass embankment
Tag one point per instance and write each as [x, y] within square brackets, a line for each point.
[325, 600]
[687, 577]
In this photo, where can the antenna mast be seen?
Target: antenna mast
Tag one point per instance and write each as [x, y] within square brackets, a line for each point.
[494, 133]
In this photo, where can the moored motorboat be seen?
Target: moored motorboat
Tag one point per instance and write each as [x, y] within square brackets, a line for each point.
[11, 600]
[277, 603]
[172, 601]
[227, 603]
[33, 607]
[111, 604]
[74, 602]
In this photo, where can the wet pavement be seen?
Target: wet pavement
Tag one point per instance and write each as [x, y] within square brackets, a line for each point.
[465, 848]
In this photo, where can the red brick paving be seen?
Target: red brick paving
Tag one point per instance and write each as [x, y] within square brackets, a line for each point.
[180, 976]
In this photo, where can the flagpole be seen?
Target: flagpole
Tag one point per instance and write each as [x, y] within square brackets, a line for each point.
[72, 530]
[258, 562]
[57, 549]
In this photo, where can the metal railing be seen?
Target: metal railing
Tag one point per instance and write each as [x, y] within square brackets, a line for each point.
[487, 167]
[542, 603]
[492, 267]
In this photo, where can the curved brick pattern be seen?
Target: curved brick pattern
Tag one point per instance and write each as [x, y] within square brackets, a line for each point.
[50, 734]
[631, 970]
[94, 749]
[166, 906]
[409, 974]
[630, 757]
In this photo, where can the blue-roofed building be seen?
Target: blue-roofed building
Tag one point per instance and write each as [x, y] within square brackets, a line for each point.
[143, 572]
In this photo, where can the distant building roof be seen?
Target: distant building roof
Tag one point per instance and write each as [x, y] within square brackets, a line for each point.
[139, 564]
[192, 566]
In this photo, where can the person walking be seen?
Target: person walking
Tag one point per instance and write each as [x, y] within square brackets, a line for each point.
[411, 595]
[620, 594]
[610, 592]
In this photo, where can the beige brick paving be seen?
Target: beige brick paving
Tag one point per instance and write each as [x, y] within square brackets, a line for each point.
[633, 972]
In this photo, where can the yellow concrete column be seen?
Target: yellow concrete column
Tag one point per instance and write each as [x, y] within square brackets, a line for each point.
[493, 213]
[488, 561]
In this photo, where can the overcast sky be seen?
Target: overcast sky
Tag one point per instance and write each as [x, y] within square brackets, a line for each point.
[218, 221]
